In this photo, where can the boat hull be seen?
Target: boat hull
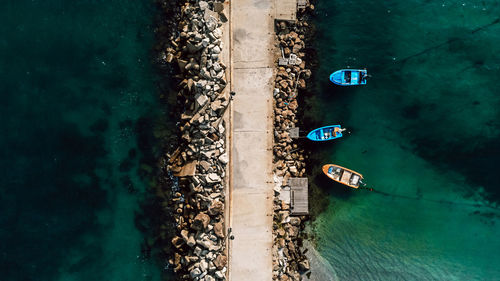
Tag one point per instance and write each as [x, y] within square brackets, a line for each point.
[346, 176]
[349, 77]
[325, 133]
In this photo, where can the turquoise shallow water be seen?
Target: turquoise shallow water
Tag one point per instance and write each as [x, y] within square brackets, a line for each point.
[424, 133]
[78, 110]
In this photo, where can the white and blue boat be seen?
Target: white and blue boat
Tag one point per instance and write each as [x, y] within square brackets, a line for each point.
[326, 133]
[349, 77]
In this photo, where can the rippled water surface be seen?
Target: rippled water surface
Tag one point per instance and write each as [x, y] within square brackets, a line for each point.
[424, 133]
[78, 104]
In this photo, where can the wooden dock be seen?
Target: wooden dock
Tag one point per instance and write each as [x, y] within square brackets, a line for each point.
[301, 4]
[294, 132]
[299, 196]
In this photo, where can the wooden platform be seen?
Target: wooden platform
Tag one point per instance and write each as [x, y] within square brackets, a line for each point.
[301, 4]
[286, 10]
[299, 196]
[294, 132]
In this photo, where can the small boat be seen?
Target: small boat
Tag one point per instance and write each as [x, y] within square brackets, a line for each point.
[349, 77]
[326, 133]
[343, 175]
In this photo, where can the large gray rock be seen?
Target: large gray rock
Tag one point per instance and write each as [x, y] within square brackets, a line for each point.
[203, 5]
[217, 33]
[207, 244]
[193, 47]
[216, 50]
[216, 66]
[210, 14]
[224, 159]
[203, 265]
[201, 100]
[211, 24]
[219, 274]
[213, 178]
[205, 165]
[213, 73]
[195, 273]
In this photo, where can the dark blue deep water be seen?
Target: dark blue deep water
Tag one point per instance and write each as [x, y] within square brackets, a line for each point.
[78, 107]
[425, 134]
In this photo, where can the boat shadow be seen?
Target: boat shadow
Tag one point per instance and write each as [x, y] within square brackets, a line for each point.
[332, 188]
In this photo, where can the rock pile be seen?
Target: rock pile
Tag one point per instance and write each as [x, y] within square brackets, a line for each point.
[289, 262]
[201, 158]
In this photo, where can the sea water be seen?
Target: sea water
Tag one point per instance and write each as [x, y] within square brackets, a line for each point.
[78, 108]
[424, 132]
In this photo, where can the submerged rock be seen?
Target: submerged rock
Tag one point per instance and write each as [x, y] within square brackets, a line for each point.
[304, 265]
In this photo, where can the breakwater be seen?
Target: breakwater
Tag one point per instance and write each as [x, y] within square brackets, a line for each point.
[199, 161]
[289, 260]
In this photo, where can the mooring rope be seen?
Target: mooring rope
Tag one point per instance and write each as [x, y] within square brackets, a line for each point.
[420, 198]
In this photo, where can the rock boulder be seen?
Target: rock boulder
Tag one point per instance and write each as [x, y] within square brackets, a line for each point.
[219, 230]
[200, 222]
[220, 261]
[216, 208]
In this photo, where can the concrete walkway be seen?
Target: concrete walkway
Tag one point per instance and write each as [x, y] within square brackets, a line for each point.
[252, 30]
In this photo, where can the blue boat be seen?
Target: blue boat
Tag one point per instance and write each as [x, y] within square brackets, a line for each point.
[349, 77]
[326, 133]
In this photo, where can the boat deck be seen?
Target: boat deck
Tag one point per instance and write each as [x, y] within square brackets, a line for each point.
[346, 176]
[343, 175]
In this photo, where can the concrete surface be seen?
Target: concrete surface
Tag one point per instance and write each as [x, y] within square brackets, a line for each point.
[286, 9]
[252, 31]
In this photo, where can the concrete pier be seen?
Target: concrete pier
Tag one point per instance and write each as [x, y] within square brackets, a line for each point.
[251, 195]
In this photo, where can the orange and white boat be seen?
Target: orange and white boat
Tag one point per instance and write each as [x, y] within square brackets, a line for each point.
[343, 175]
